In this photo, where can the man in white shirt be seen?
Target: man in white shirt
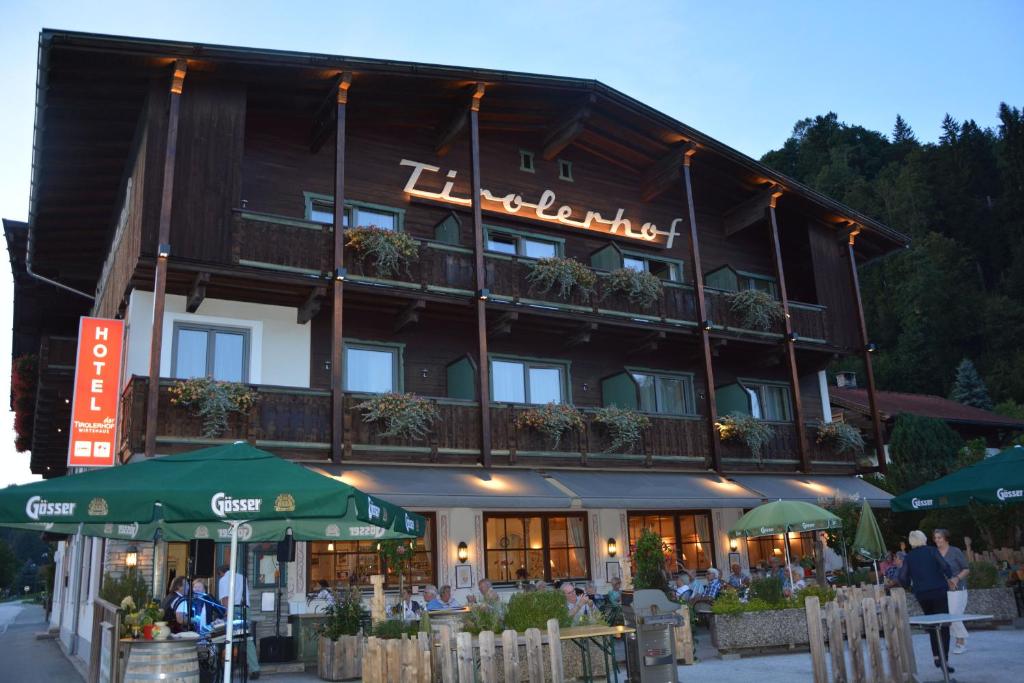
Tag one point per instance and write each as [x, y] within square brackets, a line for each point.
[241, 598]
[682, 588]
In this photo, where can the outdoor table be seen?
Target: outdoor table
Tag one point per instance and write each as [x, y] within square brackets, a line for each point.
[934, 622]
[603, 638]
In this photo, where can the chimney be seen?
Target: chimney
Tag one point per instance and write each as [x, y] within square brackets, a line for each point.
[846, 380]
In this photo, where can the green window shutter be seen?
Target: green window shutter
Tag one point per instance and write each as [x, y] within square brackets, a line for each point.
[723, 278]
[607, 258]
[447, 231]
[620, 391]
[462, 379]
[732, 399]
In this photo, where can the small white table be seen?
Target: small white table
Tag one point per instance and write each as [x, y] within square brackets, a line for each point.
[935, 622]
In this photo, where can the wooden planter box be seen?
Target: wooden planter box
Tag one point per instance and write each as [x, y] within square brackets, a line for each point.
[341, 659]
[999, 602]
[753, 632]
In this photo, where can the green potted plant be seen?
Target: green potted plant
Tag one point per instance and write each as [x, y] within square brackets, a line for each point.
[756, 310]
[340, 646]
[552, 420]
[405, 416]
[842, 437]
[392, 251]
[567, 274]
[212, 401]
[625, 427]
[649, 556]
[754, 433]
[638, 286]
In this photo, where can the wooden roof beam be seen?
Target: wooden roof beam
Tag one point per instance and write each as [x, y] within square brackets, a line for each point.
[502, 325]
[323, 120]
[409, 315]
[665, 173]
[751, 211]
[457, 124]
[649, 344]
[582, 335]
[309, 309]
[565, 132]
[198, 292]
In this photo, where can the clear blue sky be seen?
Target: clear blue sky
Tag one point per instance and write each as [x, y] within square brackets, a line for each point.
[743, 72]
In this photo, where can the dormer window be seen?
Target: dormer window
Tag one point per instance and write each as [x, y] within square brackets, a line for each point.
[526, 161]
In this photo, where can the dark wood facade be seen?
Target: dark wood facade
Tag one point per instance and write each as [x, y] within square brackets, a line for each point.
[257, 135]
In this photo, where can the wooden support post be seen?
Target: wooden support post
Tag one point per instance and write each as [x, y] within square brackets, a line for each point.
[788, 341]
[703, 324]
[338, 276]
[198, 292]
[378, 611]
[163, 252]
[876, 422]
[481, 278]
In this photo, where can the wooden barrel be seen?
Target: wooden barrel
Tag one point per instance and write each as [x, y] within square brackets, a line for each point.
[172, 661]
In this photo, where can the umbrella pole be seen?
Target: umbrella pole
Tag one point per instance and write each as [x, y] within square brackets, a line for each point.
[846, 559]
[789, 565]
[232, 566]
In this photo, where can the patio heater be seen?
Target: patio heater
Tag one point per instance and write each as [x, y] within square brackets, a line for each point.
[651, 651]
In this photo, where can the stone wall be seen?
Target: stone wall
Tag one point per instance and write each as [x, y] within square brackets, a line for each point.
[754, 631]
[999, 602]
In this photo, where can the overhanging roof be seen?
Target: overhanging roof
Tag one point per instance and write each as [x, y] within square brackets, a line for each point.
[893, 403]
[655, 490]
[812, 488]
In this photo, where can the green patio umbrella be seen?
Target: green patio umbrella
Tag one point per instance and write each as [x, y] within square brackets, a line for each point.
[997, 480]
[227, 493]
[781, 517]
[868, 542]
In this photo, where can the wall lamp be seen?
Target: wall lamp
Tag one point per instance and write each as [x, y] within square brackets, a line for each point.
[871, 347]
[792, 337]
[163, 251]
[340, 274]
[733, 545]
[483, 294]
[463, 553]
[131, 557]
[613, 548]
[707, 325]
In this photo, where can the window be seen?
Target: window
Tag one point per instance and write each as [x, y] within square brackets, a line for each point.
[520, 381]
[372, 369]
[320, 208]
[666, 394]
[539, 546]
[760, 549]
[685, 537]
[526, 161]
[521, 244]
[564, 170]
[763, 283]
[768, 401]
[341, 562]
[221, 353]
[660, 268]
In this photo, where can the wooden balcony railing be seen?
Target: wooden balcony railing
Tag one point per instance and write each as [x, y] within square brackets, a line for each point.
[296, 423]
[808, 320]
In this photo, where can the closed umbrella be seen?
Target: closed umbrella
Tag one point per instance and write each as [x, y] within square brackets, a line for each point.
[228, 493]
[997, 480]
[868, 542]
[781, 517]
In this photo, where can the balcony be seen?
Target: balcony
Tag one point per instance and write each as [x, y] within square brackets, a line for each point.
[296, 423]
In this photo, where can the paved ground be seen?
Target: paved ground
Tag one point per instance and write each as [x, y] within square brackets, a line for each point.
[23, 659]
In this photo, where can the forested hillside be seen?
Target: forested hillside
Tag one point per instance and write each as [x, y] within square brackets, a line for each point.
[958, 291]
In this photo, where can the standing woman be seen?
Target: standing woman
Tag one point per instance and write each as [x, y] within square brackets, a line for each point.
[957, 586]
[927, 575]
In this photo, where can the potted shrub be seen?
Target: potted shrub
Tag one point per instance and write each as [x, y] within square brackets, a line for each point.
[625, 427]
[755, 434]
[766, 619]
[533, 609]
[552, 420]
[842, 437]
[212, 401]
[406, 416]
[392, 251]
[650, 562]
[567, 274]
[339, 646]
[638, 286]
[756, 310]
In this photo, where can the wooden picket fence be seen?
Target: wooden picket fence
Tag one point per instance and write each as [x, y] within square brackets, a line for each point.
[415, 660]
[1015, 556]
[864, 620]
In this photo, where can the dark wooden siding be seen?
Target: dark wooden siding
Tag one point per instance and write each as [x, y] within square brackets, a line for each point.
[832, 281]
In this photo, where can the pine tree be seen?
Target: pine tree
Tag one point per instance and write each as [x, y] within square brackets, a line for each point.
[969, 388]
[902, 133]
[950, 130]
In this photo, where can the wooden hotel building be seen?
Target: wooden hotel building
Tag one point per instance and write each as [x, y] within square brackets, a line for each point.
[195, 192]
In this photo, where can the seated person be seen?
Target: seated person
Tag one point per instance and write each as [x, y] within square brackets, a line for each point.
[682, 588]
[797, 584]
[578, 603]
[175, 605]
[488, 596]
[738, 579]
[442, 600]
[715, 584]
[407, 609]
[614, 594]
[205, 608]
[324, 590]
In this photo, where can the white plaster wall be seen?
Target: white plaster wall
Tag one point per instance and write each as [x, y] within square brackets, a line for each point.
[721, 520]
[280, 347]
[605, 524]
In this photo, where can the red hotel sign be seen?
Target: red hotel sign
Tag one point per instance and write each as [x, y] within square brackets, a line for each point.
[94, 409]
